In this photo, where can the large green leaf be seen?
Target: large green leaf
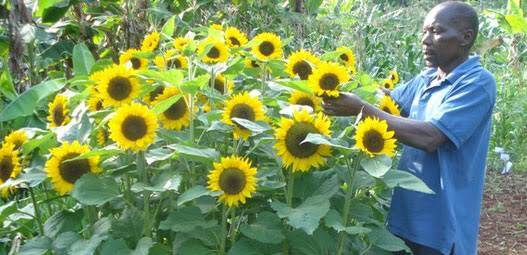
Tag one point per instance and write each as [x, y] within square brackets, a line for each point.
[115, 247]
[26, 103]
[306, 216]
[61, 222]
[6, 83]
[193, 193]
[83, 60]
[193, 153]
[267, 229]
[87, 247]
[186, 219]
[168, 27]
[36, 246]
[335, 221]
[320, 139]
[385, 240]
[165, 104]
[143, 246]
[91, 189]
[376, 166]
[63, 241]
[405, 180]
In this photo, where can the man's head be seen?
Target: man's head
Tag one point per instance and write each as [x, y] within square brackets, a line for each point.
[449, 31]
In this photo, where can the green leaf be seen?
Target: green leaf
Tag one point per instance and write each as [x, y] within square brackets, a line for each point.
[306, 216]
[385, 240]
[334, 220]
[193, 86]
[87, 247]
[143, 246]
[99, 153]
[256, 128]
[101, 64]
[296, 85]
[405, 180]
[36, 246]
[48, 139]
[83, 60]
[267, 229]
[313, 5]
[244, 247]
[194, 247]
[63, 241]
[61, 222]
[320, 243]
[157, 154]
[235, 67]
[164, 182]
[53, 10]
[168, 27]
[193, 193]
[185, 220]
[320, 139]
[6, 83]
[162, 106]
[115, 247]
[26, 103]
[518, 24]
[91, 189]
[193, 153]
[376, 166]
[129, 226]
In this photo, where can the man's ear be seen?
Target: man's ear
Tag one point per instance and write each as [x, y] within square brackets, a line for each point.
[468, 37]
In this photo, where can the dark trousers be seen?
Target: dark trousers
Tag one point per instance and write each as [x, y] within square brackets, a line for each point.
[418, 249]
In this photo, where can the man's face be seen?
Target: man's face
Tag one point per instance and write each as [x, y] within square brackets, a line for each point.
[441, 40]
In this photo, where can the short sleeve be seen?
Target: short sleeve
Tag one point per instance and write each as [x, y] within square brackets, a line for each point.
[404, 94]
[464, 109]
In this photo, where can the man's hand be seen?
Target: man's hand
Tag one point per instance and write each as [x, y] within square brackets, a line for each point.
[345, 105]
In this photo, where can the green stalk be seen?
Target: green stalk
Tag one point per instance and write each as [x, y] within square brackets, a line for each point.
[141, 169]
[264, 77]
[352, 168]
[233, 226]
[224, 212]
[37, 211]
[212, 81]
[290, 189]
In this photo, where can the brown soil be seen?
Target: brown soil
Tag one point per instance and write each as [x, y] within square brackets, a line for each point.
[503, 229]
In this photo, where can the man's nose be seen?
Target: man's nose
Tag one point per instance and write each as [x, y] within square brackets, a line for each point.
[427, 39]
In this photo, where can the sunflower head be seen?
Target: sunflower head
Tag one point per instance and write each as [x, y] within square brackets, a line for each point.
[251, 63]
[217, 53]
[17, 138]
[171, 59]
[154, 94]
[133, 127]
[388, 105]
[151, 42]
[181, 42]
[94, 102]
[290, 134]
[373, 138]
[242, 106]
[234, 37]
[235, 177]
[301, 98]
[327, 78]
[347, 57]
[388, 84]
[177, 116]
[268, 46]
[217, 26]
[129, 59]
[64, 173]
[301, 63]
[222, 85]
[394, 76]
[9, 162]
[118, 86]
[58, 111]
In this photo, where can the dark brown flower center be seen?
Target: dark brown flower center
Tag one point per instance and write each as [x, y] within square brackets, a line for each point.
[98, 105]
[156, 92]
[213, 52]
[232, 181]
[176, 110]
[295, 135]
[175, 62]
[303, 69]
[242, 111]
[119, 88]
[219, 85]
[6, 167]
[387, 85]
[234, 41]
[386, 109]
[266, 48]
[71, 171]
[134, 127]
[344, 57]
[254, 64]
[306, 101]
[329, 81]
[373, 141]
[58, 115]
[136, 63]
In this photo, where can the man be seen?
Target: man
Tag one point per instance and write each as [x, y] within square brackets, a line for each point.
[445, 135]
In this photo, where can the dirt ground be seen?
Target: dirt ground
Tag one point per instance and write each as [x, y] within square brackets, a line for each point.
[503, 229]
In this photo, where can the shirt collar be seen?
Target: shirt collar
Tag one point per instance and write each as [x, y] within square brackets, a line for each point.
[470, 63]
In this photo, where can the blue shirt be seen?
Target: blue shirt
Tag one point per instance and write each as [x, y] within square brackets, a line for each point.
[460, 106]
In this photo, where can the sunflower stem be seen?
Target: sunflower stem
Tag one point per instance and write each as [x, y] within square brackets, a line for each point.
[264, 77]
[352, 168]
[233, 226]
[212, 81]
[191, 124]
[224, 213]
[290, 189]
[37, 211]
[141, 169]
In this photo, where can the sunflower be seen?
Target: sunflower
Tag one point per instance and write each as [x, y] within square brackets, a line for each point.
[234, 37]
[292, 132]
[327, 77]
[102, 136]
[394, 76]
[58, 111]
[267, 47]
[171, 59]
[133, 127]
[9, 162]
[388, 84]
[388, 105]
[242, 106]
[217, 27]
[217, 53]
[17, 138]
[373, 138]
[129, 59]
[181, 42]
[301, 63]
[347, 57]
[220, 84]
[64, 174]
[118, 86]
[301, 98]
[150, 42]
[177, 116]
[94, 101]
[235, 177]
[251, 63]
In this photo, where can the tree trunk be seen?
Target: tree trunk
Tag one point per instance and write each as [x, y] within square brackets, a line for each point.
[18, 17]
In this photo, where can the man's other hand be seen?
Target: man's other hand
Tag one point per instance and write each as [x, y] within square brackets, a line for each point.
[345, 105]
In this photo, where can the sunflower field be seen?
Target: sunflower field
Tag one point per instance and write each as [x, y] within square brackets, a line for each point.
[195, 127]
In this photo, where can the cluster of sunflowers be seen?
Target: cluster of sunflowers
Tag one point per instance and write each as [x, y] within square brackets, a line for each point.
[246, 88]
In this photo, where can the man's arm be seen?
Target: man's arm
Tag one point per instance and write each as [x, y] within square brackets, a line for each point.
[419, 134]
